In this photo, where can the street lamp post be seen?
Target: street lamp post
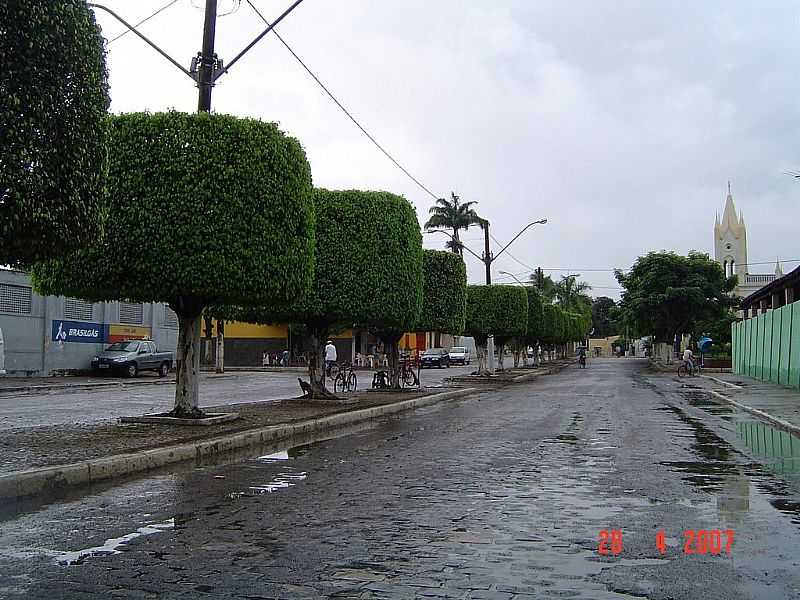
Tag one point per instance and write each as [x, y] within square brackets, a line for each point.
[512, 275]
[487, 259]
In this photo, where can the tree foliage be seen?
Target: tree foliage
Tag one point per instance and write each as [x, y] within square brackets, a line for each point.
[544, 284]
[571, 294]
[535, 328]
[499, 310]
[455, 215]
[605, 317]
[185, 226]
[444, 294]
[666, 294]
[53, 104]
[552, 324]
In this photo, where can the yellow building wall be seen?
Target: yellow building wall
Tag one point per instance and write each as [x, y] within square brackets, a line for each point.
[604, 344]
[240, 330]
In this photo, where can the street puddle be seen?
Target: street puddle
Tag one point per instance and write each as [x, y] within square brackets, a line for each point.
[564, 438]
[779, 450]
[287, 454]
[281, 481]
[112, 545]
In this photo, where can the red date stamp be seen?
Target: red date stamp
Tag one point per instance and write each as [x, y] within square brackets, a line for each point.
[700, 541]
[610, 542]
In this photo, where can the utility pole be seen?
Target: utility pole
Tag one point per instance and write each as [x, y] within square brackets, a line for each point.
[487, 254]
[487, 261]
[207, 60]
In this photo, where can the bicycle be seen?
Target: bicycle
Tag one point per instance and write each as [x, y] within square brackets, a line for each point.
[332, 371]
[345, 380]
[582, 362]
[684, 371]
[407, 374]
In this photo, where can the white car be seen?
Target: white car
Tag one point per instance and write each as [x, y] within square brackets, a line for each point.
[459, 354]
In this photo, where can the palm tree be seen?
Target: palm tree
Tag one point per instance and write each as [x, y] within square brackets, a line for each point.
[571, 294]
[456, 215]
[545, 285]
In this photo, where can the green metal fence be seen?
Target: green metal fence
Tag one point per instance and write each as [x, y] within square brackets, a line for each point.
[768, 347]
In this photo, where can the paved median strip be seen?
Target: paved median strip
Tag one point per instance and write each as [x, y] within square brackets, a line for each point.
[34, 481]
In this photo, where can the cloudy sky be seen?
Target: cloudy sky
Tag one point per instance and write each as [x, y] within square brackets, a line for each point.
[619, 121]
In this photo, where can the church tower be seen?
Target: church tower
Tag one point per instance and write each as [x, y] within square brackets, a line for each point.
[730, 240]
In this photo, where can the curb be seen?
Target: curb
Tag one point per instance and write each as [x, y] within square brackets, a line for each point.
[532, 376]
[723, 382]
[98, 384]
[43, 479]
[779, 423]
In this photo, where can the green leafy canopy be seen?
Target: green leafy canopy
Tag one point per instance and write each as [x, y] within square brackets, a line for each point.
[53, 106]
[499, 310]
[444, 293]
[368, 267]
[201, 209]
[666, 294]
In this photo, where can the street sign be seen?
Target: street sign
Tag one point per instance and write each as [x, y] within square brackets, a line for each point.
[78, 332]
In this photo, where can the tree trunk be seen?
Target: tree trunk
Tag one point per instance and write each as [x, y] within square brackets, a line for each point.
[481, 351]
[207, 321]
[501, 352]
[391, 339]
[188, 360]
[316, 363]
[220, 346]
[393, 357]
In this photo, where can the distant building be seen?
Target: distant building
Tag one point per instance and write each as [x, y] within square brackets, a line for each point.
[730, 250]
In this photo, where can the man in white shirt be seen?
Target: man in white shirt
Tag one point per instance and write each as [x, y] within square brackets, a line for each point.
[330, 356]
[688, 355]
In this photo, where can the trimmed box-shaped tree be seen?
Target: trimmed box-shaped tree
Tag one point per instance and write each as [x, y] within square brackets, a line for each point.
[368, 271]
[444, 295]
[53, 109]
[201, 209]
[498, 310]
[552, 326]
[533, 331]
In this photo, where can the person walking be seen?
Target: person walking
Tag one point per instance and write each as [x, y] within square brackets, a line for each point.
[330, 357]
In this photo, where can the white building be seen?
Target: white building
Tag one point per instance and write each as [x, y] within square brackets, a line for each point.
[730, 250]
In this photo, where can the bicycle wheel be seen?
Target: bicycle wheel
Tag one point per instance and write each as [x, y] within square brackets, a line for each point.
[339, 383]
[682, 372]
[352, 382]
[409, 378]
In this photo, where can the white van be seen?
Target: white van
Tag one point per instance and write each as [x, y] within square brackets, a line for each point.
[460, 355]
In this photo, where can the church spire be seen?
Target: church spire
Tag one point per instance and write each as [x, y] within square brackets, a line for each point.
[730, 219]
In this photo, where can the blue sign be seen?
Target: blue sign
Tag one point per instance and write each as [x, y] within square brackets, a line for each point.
[78, 331]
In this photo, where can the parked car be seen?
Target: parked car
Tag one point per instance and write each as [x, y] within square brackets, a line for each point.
[129, 357]
[459, 354]
[435, 357]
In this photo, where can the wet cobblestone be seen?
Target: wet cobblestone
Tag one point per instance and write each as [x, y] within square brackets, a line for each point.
[500, 496]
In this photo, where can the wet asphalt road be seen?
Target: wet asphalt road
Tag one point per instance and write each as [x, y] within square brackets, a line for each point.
[500, 496]
[58, 407]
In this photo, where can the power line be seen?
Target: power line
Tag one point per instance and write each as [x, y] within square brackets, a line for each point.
[496, 241]
[145, 20]
[344, 110]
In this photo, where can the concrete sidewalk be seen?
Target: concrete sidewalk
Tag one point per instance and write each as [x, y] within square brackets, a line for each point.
[776, 404]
